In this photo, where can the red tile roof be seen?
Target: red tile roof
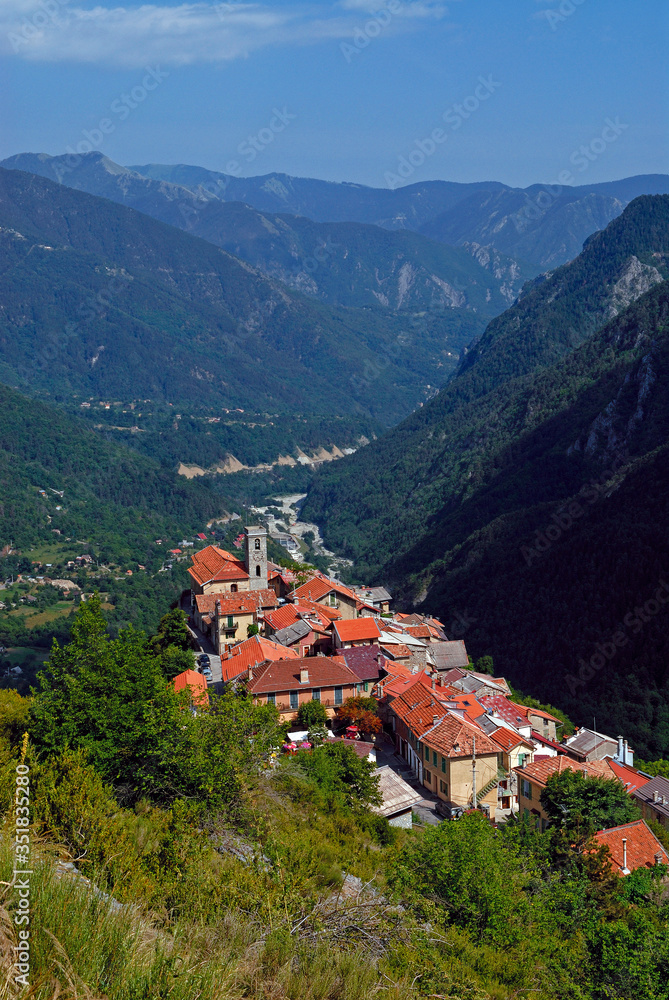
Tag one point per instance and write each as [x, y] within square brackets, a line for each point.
[397, 651]
[250, 652]
[288, 614]
[419, 631]
[361, 748]
[467, 703]
[212, 563]
[284, 675]
[418, 705]
[508, 739]
[629, 776]
[331, 614]
[195, 682]
[455, 737]
[316, 589]
[243, 602]
[541, 770]
[514, 715]
[398, 679]
[642, 846]
[357, 629]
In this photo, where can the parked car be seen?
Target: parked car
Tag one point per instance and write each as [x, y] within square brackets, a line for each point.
[203, 660]
[206, 672]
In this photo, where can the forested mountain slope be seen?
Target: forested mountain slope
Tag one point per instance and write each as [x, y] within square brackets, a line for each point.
[104, 301]
[375, 505]
[543, 225]
[111, 496]
[535, 519]
[348, 264]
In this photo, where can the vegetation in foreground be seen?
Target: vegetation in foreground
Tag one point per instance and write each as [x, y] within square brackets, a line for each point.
[240, 878]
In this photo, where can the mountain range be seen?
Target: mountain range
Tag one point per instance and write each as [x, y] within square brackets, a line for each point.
[527, 504]
[102, 300]
[347, 263]
[543, 225]
[524, 503]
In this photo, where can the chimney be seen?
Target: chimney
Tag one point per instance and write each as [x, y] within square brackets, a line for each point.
[434, 683]
[658, 858]
[625, 868]
[435, 720]
[656, 796]
[217, 608]
[621, 750]
[304, 676]
[250, 673]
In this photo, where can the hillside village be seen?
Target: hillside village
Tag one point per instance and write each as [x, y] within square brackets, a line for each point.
[453, 738]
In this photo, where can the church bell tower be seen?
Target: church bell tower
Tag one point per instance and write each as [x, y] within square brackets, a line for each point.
[255, 542]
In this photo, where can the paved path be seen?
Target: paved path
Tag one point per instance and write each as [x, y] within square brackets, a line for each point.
[205, 645]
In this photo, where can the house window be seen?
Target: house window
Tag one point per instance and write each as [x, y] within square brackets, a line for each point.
[443, 764]
[231, 622]
[316, 694]
[257, 570]
[526, 813]
[366, 686]
[333, 600]
[522, 757]
[339, 696]
[231, 634]
[434, 757]
[293, 699]
[233, 588]
[427, 753]
[257, 545]
[428, 777]
[443, 787]
[527, 789]
[271, 699]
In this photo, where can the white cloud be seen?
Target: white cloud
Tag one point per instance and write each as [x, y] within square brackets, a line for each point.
[186, 34]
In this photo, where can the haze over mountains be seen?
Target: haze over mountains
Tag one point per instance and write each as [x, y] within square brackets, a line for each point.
[103, 300]
[335, 302]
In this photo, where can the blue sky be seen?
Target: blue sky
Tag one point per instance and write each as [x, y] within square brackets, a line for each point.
[358, 84]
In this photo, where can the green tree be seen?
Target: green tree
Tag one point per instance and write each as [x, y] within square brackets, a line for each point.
[174, 660]
[311, 714]
[475, 879]
[484, 665]
[583, 805]
[653, 767]
[252, 630]
[341, 774]
[173, 631]
[104, 696]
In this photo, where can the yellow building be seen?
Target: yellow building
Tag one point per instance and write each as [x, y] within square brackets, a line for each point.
[532, 780]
